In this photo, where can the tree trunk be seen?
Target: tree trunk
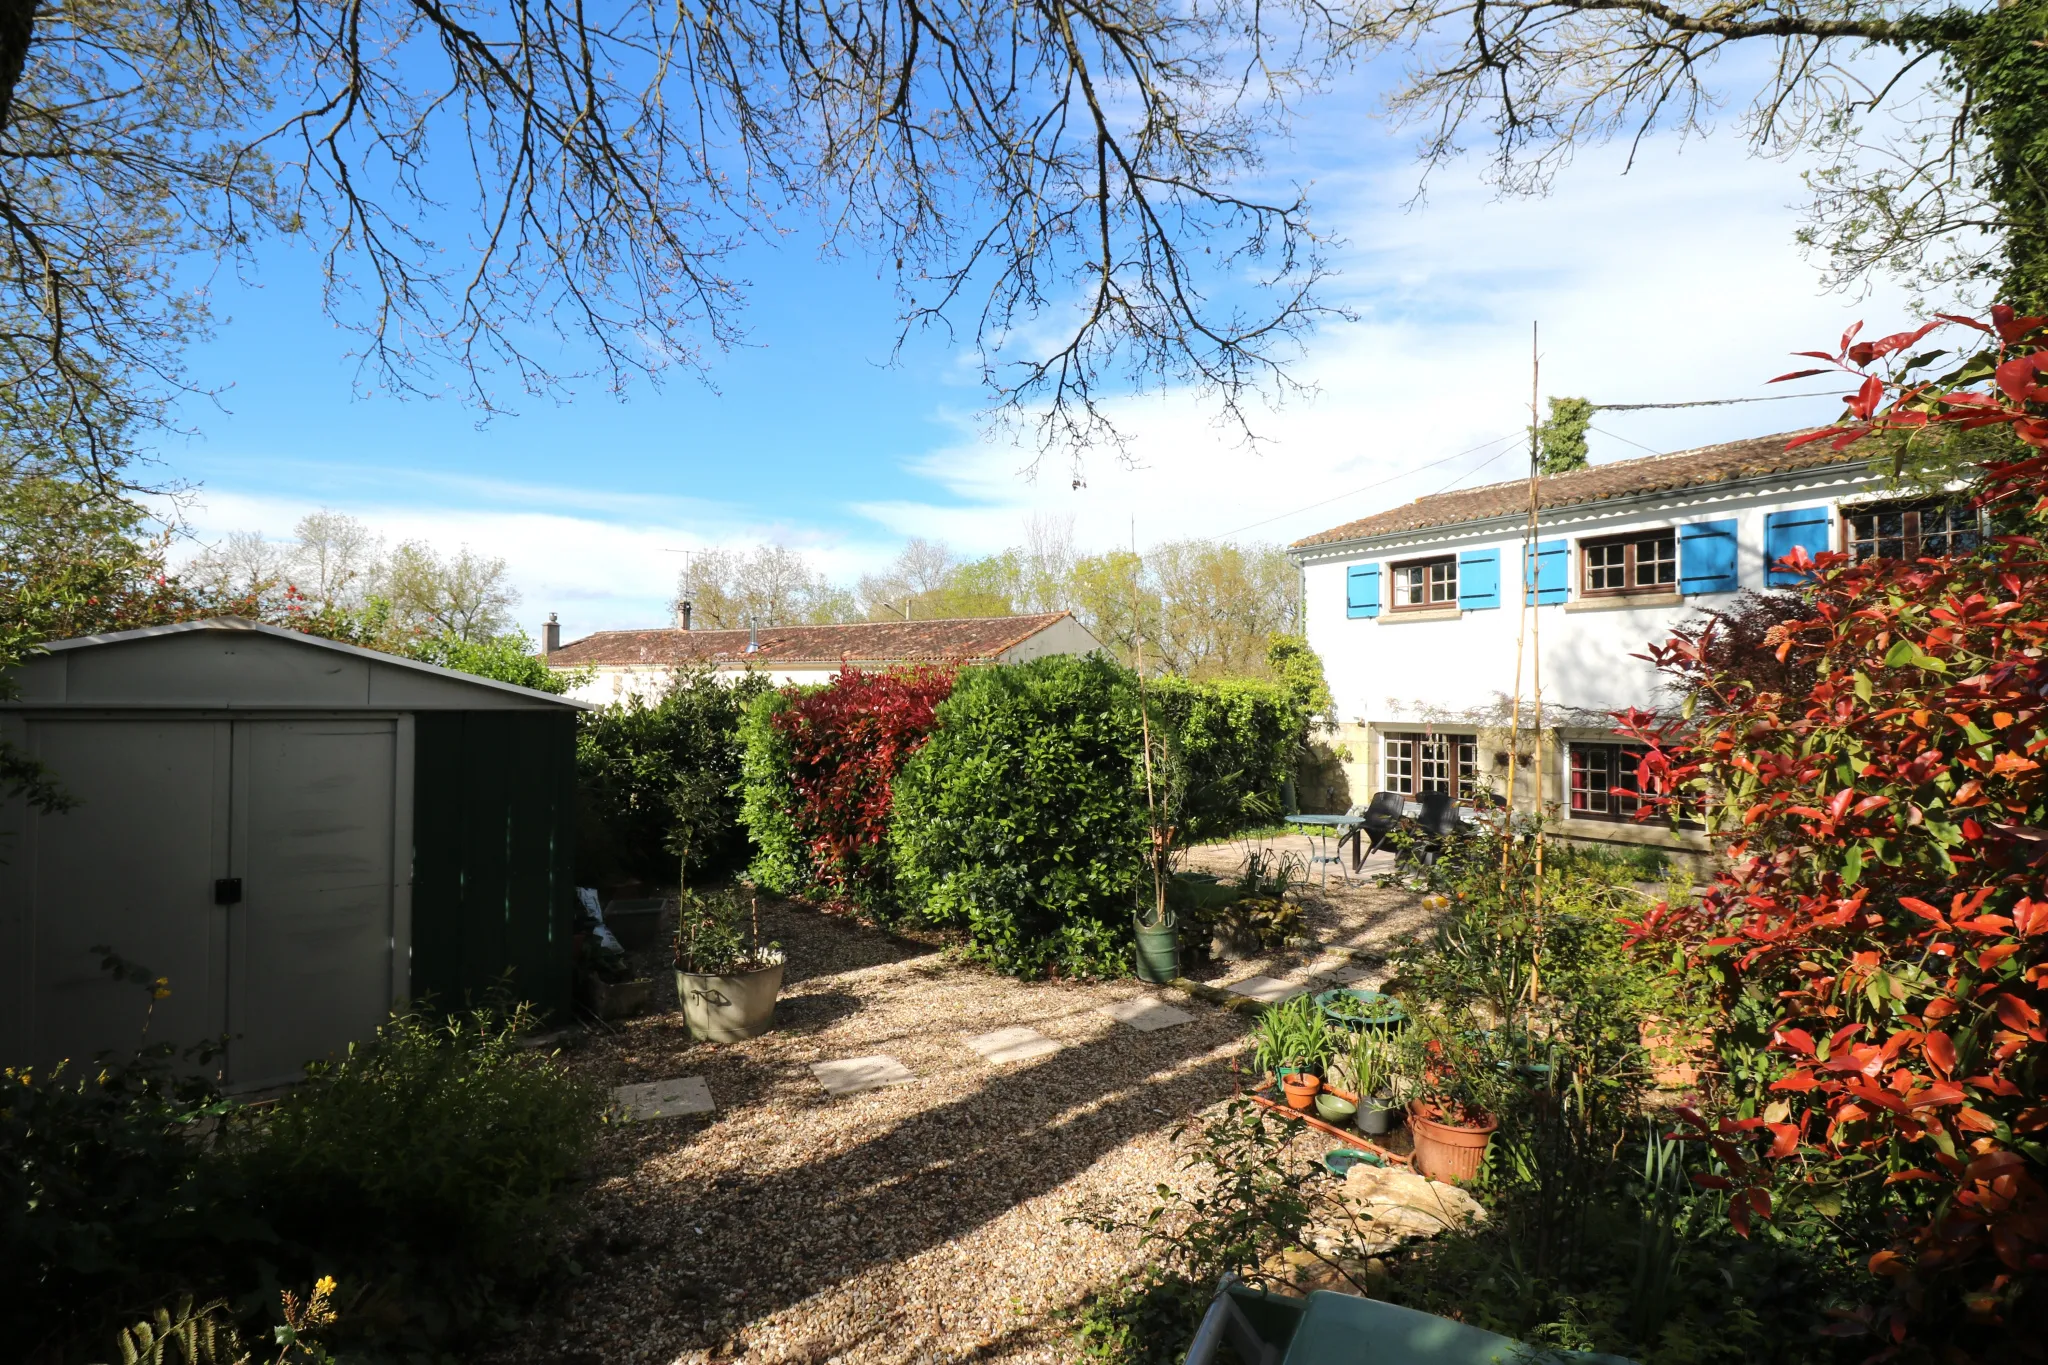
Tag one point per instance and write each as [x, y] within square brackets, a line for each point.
[17, 29]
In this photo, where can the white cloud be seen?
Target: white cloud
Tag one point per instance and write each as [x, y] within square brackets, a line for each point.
[596, 571]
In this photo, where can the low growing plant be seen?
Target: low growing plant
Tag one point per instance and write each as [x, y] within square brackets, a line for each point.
[1293, 1033]
[432, 1165]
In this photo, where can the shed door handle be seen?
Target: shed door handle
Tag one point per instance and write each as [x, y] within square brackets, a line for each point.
[227, 891]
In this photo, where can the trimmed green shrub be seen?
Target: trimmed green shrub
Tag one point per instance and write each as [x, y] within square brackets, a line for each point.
[637, 761]
[1021, 818]
[781, 861]
[1235, 744]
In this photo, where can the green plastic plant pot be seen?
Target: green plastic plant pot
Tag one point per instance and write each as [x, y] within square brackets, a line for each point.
[1347, 1007]
[1159, 953]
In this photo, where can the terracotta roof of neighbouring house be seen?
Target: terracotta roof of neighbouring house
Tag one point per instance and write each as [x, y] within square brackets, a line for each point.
[962, 640]
[1618, 479]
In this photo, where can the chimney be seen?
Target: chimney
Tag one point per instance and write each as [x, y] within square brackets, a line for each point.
[550, 636]
[683, 614]
[753, 638]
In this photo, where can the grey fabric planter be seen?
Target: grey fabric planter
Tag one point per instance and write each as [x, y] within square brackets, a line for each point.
[730, 1009]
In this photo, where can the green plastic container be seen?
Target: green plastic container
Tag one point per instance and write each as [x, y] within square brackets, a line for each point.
[1159, 952]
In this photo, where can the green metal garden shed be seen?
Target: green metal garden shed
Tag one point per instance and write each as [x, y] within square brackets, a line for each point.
[299, 834]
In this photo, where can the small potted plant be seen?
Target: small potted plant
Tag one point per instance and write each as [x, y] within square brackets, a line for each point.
[726, 979]
[1373, 1073]
[1292, 1042]
[1455, 1096]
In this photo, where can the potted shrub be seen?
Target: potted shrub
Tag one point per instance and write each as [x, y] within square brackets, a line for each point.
[726, 980]
[1453, 1102]
[1292, 1042]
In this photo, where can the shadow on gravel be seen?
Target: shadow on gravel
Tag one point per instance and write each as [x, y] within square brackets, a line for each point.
[1009, 1136]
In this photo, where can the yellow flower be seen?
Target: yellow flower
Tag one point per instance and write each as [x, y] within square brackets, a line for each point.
[323, 1286]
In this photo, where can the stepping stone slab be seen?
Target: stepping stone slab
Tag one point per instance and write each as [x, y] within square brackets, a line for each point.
[1146, 1013]
[1270, 989]
[1018, 1044]
[856, 1074]
[1352, 974]
[662, 1099]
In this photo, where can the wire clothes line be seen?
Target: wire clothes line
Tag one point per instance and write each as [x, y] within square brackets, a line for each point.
[1378, 483]
[1512, 436]
[1706, 402]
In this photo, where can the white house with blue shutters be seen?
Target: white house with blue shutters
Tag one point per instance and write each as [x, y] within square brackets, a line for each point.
[1413, 610]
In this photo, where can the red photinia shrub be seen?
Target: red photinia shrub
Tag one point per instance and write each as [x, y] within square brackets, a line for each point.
[1883, 934]
[847, 741]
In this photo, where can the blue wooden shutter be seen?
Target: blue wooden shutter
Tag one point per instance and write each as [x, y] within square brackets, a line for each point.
[1706, 557]
[1479, 579]
[1362, 590]
[1806, 528]
[1549, 572]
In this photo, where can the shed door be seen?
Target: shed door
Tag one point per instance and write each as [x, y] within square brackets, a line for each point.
[310, 944]
[129, 867]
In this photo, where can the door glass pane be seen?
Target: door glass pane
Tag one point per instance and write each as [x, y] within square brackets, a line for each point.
[1400, 765]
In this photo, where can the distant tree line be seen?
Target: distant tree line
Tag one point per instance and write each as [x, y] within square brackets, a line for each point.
[1197, 608]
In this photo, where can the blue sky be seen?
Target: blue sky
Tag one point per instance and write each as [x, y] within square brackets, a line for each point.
[1677, 280]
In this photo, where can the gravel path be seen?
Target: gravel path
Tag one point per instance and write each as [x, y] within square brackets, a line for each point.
[920, 1222]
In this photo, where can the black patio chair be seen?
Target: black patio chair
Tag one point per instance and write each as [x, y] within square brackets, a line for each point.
[1437, 820]
[1380, 817]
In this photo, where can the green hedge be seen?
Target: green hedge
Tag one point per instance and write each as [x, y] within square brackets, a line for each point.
[1022, 819]
[1016, 820]
[781, 863]
[1235, 743]
[631, 757]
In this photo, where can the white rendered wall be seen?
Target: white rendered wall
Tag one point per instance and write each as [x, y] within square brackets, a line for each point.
[1457, 671]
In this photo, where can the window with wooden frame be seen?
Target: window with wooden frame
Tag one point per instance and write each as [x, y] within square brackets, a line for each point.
[1423, 584]
[1414, 764]
[1641, 561]
[1603, 781]
[1910, 530]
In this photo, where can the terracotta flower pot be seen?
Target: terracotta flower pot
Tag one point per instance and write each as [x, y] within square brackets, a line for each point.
[1300, 1089]
[1447, 1151]
[1674, 1055]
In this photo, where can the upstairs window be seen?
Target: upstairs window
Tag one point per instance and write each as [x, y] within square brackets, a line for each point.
[1643, 561]
[1424, 583]
[1910, 530]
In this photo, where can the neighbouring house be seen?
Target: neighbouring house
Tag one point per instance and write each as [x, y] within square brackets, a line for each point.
[300, 835]
[623, 663]
[1414, 613]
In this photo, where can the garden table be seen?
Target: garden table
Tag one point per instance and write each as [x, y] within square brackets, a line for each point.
[1324, 828]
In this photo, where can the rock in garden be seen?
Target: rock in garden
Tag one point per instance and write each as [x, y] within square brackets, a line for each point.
[1381, 1207]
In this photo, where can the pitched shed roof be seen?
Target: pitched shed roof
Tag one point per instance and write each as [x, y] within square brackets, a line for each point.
[229, 661]
[968, 639]
[1758, 455]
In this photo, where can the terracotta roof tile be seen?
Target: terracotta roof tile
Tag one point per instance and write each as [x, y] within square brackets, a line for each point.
[1619, 478]
[958, 641]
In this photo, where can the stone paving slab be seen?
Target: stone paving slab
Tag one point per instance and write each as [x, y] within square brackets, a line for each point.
[1146, 1013]
[1271, 990]
[856, 1074]
[662, 1099]
[1352, 973]
[1017, 1044]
